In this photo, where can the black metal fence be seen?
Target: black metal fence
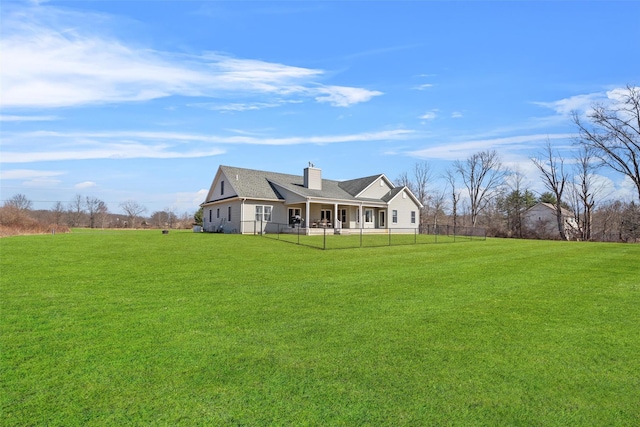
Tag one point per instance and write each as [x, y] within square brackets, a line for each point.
[343, 238]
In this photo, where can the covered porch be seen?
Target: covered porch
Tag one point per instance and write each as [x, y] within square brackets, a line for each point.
[316, 216]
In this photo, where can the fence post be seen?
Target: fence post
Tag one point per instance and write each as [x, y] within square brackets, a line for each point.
[360, 237]
[389, 232]
[324, 243]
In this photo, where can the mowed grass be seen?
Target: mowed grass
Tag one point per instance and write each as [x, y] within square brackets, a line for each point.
[140, 328]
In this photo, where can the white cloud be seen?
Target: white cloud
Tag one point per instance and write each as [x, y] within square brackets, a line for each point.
[341, 96]
[461, 150]
[5, 118]
[429, 115]
[20, 174]
[188, 200]
[424, 86]
[456, 115]
[84, 185]
[578, 103]
[158, 145]
[56, 58]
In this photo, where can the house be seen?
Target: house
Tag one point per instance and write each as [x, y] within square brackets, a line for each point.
[249, 201]
[541, 220]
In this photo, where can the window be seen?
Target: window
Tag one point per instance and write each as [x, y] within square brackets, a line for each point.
[210, 214]
[218, 213]
[394, 216]
[413, 217]
[263, 213]
[229, 214]
[222, 188]
[368, 215]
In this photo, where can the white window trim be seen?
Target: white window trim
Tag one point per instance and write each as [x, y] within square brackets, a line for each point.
[264, 213]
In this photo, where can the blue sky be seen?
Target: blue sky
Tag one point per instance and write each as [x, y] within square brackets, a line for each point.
[143, 100]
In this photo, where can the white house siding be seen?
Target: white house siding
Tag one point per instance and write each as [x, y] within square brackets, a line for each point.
[278, 214]
[216, 193]
[228, 225]
[404, 204]
[376, 190]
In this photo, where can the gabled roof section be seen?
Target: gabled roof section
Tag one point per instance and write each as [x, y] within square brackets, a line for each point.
[256, 184]
[391, 194]
[397, 190]
[357, 186]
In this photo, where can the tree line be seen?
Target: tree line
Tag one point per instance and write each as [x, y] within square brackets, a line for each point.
[497, 198]
[86, 211]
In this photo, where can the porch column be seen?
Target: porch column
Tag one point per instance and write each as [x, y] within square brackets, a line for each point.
[307, 222]
[361, 214]
[335, 216]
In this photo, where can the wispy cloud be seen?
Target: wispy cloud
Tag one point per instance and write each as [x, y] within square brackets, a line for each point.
[20, 174]
[158, 145]
[14, 118]
[53, 58]
[429, 115]
[460, 150]
[424, 86]
[241, 106]
[579, 103]
[340, 96]
[84, 185]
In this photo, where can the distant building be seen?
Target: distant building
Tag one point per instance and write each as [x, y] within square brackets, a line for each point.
[541, 220]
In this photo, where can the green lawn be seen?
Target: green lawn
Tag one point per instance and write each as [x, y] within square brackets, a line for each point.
[136, 327]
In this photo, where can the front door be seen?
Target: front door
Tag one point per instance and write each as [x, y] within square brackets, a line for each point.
[382, 223]
[342, 213]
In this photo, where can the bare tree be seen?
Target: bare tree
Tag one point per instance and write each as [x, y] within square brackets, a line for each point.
[58, 212]
[102, 213]
[514, 203]
[20, 202]
[450, 176]
[614, 134]
[438, 202]
[584, 191]
[92, 205]
[552, 172]
[403, 181]
[482, 174]
[76, 210]
[132, 209]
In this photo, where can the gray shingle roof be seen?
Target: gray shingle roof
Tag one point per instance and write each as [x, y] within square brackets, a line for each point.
[257, 184]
